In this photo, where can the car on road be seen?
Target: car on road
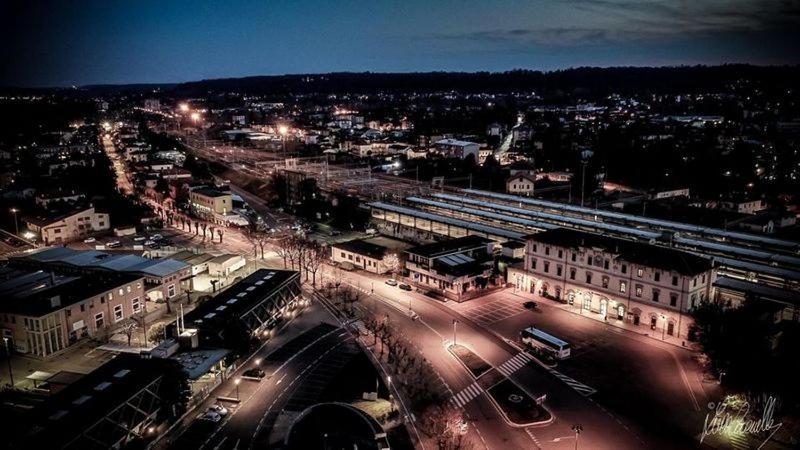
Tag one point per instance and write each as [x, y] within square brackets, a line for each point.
[405, 287]
[530, 305]
[113, 244]
[254, 373]
[210, 416]
[156, 237]
[391, 282]
[139, 238]
[89, 240]
[219, 409]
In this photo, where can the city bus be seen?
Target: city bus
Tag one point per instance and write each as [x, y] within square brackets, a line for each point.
[534, 337]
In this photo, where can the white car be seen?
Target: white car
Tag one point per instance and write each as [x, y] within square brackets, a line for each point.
[219, 409]
[139, 238]
[391, 282]
[89, 240]
[149, 242]
[210, 416]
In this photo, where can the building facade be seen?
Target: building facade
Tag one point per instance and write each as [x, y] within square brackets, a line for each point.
[68, 227]
[642, 284]
[210, 201]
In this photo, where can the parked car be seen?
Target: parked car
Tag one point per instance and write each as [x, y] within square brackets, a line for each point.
[254, 373]
[139, 238]
[210, 416]
[371, 231]
[405, 287]
[530, 305]
[113, 244]
[156, 237]
[391, 282]
[89, 240]
[219, 409]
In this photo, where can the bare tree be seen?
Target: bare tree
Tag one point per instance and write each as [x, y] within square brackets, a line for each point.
[203, 227]
[128, 328]
[445, 423]
[315, 254]
[392, 262]
[156, 335]
[219, 233]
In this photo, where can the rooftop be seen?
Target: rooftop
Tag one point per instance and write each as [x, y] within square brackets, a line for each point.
[633, 252]
[210, 192]
[450, 246]
[361, 247]
[160, 267]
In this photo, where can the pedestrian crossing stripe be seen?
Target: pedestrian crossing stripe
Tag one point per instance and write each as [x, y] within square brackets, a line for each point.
[576, 385]
[514, 364]
[466, 395]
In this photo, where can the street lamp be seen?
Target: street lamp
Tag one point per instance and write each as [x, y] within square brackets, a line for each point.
[455, 322]
[8, 357]
[14, 211]
[664, 327]
[236, 382]
[577, 429]
[258, 362]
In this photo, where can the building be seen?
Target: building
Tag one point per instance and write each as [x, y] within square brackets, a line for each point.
[164, 278]
[458, 269]
[521, 184]
[251, 306]
[68, 227]
[110, 407]
[47, 198]
[365, 256]
[206, 200]
[642, 284]
[42, 313]
[783, 304]
[455, 148]
[224, 265]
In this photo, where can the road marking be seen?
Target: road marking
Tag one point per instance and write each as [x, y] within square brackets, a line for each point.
[515, 363]
[576, 385]
[279, 381]
[466, 395]
[533, 437]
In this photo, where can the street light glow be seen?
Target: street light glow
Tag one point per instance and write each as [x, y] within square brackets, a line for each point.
[283, 130]
[183, 107]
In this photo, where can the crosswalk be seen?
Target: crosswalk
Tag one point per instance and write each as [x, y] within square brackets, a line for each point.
[467, 395]
[514, 364]
[576, 385]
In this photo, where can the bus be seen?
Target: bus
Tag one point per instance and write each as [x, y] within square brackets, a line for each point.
[534, 337]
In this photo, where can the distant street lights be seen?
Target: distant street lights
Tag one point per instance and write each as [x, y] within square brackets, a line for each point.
[14, 211]
[577, 429]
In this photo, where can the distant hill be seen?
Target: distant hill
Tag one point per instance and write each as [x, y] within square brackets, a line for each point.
[583, 79]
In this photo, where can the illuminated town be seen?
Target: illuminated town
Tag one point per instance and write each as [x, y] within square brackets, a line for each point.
[507, 231]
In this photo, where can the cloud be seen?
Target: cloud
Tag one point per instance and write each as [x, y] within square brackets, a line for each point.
[599, 22]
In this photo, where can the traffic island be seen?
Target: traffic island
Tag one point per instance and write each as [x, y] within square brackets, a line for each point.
[474, 363]
[518, 407]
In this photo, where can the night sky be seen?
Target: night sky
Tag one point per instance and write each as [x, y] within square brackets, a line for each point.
[63, 43]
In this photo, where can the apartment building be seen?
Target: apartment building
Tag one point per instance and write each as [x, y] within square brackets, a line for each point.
[207, 200]
[42, 313]
[68, 227]
[642, 284]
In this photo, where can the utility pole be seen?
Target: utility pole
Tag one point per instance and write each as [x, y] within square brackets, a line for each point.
[455, 322]
[11, 371]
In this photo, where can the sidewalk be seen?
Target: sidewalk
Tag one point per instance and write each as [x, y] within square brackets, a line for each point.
[657, 335]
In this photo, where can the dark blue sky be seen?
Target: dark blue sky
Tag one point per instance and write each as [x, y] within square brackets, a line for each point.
[62, 43]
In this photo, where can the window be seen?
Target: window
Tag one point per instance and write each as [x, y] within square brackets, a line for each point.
[657, 276]
[118, 314]
[638, 290]
[694, 282]
[623, 287]
[704, 279]
[574, 256]
[605, 282]
[171, 291]
[533, 263]
[136, 306]
[589, 261]
[655, 295]
[588, 278]
[674, 280]
[560, 254]
[605, 264]
[98, 321]
[83, 307]
[640, 272]
[535, 248]
[547, 250]
[559, 271]
[343, 255]
[571, 274]
[673, 300]
[121, 292]
[546, 266]
[128, 289]
[111, 296]
[624, 268]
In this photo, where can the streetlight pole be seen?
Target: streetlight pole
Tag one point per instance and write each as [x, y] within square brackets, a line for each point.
[8, 356]
[455, 322]
[14, 211]
[577, 429]
[236, 382]
[664, 328]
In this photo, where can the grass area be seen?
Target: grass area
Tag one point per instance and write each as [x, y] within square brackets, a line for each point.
[474, 363]
[517, 405]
